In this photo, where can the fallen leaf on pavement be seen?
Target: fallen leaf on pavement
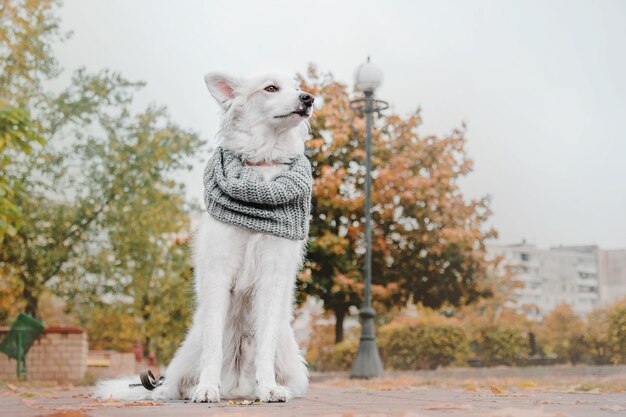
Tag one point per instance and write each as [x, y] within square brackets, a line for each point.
[527, 384]
[67, 413]
[11, 387]
[110, 402]
[448, 406]
[143, 404]
[244, 402]
[496, 389]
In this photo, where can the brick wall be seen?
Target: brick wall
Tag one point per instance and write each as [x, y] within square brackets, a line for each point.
[59, 355]
[110, 364]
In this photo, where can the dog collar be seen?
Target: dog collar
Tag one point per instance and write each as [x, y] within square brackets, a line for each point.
[259, 164]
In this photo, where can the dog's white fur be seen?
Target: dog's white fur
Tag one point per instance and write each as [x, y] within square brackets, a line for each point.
[241, 343]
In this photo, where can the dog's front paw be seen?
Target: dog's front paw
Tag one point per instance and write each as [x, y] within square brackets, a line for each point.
[275, 394]
[206, 394]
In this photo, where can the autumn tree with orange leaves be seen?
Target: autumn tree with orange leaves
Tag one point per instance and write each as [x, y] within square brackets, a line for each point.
[428, 241]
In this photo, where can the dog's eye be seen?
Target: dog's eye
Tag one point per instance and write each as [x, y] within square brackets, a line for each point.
[271, 89]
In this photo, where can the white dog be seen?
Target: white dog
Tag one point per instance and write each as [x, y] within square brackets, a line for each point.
[241, 343]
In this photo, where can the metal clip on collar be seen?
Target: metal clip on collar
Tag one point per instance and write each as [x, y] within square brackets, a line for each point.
[148, 380]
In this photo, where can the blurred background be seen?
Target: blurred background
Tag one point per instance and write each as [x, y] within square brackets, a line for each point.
[498, 203]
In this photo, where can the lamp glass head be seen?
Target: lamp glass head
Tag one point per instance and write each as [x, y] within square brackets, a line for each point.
[368, 77]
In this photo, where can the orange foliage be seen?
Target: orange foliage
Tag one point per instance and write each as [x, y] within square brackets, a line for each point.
[428, 239]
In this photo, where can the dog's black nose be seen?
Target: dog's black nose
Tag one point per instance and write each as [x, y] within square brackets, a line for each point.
[307, 99]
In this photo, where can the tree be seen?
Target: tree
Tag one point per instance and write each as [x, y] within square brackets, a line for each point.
[102, 212]
[428, 239]
[502, 345]
[68, 212]
[562, 333]
[153, 308]
[150, 279]
[617, 331]
[28, 30]
[596, 336]
[17, 134]
[25, 61]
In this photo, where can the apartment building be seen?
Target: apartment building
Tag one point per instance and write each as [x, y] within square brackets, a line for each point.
[582, 276]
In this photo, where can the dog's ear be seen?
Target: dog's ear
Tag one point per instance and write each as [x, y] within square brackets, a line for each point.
[222, 87]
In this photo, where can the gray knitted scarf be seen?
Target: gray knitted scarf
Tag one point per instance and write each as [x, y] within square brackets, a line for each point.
[235, 193]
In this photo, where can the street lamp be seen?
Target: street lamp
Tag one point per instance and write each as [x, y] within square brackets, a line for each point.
[367, 364]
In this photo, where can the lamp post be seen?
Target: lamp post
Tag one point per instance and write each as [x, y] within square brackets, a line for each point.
[367, 363]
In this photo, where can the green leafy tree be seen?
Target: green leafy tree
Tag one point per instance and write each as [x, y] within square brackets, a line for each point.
[102, 213]
[428, 239]
[617, 331]
[17, 134]
[26, 31]
[74, 184]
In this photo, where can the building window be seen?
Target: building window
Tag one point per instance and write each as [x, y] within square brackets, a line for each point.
[525, 257]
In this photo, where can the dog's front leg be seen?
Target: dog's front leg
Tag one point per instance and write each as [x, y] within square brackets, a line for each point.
[211, 315]
[272, 288]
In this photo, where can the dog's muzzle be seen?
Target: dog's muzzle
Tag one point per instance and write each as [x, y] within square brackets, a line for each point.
[307, 99]
[303, 109]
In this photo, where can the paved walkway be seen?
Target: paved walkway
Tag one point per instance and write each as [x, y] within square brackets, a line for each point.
[334, 398]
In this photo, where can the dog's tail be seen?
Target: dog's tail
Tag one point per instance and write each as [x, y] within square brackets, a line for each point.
[118, 389]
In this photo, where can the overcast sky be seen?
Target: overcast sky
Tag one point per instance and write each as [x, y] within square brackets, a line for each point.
[541, 85]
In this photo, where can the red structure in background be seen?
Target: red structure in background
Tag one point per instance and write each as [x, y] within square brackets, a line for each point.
[138, 352]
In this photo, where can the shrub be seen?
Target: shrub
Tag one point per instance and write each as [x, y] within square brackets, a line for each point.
[324, 355]
[112, 329]
[433, 340]
[577, 349]
[617, 332]
[562, 333]
[596, 337]
[502, 346]
[321, 340]
[421, 346]
[335, 357]
[343, 355]
[398, 345]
